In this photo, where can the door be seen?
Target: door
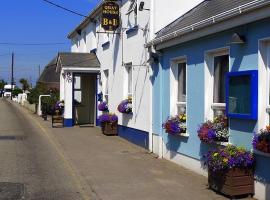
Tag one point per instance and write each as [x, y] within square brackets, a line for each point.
[85, 100]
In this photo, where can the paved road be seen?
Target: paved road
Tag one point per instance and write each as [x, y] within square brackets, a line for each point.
[30, 166]
[39, 162]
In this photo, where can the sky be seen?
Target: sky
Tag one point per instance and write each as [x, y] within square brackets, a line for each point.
[35, 21]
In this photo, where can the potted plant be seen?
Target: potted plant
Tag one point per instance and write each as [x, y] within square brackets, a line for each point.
[103, 106]
[214, 131]
[125, 106]
[231, 171]
[261, 141]
[176, 125]
[109, 123]
[59, 107]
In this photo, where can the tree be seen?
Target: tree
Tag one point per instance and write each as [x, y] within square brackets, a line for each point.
[25, 84]
[2, 83]
[16, 91]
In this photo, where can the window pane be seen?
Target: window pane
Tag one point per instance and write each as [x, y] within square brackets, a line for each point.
[240, 95]
[77, 82]
[221, 67]
[129, 71]
[78, 96]
[106, 73]
[182, 82]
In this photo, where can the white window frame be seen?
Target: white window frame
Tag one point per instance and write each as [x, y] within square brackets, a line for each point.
[106, 75]
[174, 103]
[127, 93]
[210, 106]
[264, 83]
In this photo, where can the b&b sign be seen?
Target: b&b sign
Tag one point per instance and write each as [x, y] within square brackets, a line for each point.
[110, 16]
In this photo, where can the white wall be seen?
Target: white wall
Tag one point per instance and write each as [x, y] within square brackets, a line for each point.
[161, 13]
[167, 11]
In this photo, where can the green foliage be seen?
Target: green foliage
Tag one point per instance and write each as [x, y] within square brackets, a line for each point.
[2, 83]
[25, 84]
[16, 91]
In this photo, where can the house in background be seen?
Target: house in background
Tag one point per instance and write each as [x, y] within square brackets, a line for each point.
[125, 63]
[50, 77]
[196, 52]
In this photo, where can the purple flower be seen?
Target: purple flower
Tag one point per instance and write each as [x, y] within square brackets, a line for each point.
[108, 118]
[125, 106]
[103, 106]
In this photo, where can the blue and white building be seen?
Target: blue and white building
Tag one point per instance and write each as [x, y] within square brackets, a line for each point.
[196, 51]
[125, 65]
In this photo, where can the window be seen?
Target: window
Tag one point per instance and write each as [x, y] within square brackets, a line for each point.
[178, 91]
[132, 7]
[181, 88]
[221, 67]
[106, 85]
[77, 90]
[129, 79]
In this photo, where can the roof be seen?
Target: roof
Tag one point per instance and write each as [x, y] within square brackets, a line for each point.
[206, 13]
[70, 59]
[204, 10]
[49, 74]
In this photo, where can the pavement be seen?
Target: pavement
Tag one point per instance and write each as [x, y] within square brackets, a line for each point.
[81, 163]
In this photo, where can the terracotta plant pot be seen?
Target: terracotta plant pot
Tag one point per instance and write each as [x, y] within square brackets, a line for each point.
[233, 182]
[109, 128]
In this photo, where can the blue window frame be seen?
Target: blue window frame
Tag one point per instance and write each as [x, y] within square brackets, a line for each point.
[242, 95]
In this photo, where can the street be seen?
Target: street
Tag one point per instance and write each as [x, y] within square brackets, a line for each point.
[39, 162]
[30, 160]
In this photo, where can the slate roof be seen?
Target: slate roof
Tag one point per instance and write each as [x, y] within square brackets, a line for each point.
[204, 10]
[49, 74]
[78, 60]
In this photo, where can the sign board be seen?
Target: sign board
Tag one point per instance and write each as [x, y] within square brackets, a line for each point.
[110, 16]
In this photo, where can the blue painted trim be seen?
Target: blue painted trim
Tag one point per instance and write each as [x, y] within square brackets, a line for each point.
[253, 92]
[133, 29]
[135, 136]
[93, 50]
[105, 44]
[97, 98]
[68, 122]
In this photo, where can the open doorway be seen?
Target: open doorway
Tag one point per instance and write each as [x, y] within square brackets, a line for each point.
[84, 99]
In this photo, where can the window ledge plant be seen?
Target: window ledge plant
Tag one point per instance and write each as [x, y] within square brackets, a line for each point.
[261, 141]
[176, 125]
[103, 106]
[125, 106]
[213, 131]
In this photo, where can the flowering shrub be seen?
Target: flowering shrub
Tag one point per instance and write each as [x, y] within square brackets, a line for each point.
[125, 106]
[59, 105]
[103, 106]
[261, 141]
[175, 125]
[108, 118]
[229, 157]
[216, 130]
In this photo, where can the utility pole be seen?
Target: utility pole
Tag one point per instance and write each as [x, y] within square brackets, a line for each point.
[12, 75]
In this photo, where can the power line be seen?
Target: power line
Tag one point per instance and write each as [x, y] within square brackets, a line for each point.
[7, 54]
[32, 44]
[66, 9]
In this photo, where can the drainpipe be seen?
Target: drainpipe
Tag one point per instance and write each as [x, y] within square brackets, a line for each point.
[152, 35]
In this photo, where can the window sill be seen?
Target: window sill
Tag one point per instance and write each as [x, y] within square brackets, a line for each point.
[260, 153]
[93, 50]
[106, 44]
[131, 30]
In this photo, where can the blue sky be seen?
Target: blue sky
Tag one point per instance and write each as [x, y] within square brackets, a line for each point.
[34, 21]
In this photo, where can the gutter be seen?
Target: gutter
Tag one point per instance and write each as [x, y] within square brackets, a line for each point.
[209, 21]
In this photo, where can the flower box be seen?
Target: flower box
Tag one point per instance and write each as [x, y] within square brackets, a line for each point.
[233, 182]
[213, 131]
[125, 106]
[109, 128]
[176, 125]
[108, 123]
[261, 141]
[230, 170]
